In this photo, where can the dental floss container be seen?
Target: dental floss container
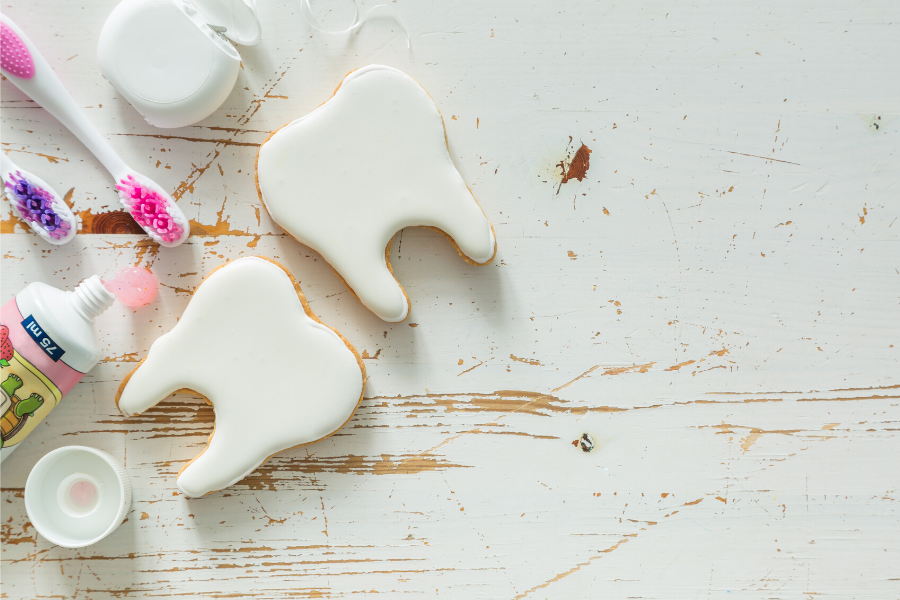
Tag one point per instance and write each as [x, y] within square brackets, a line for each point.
[171, 58]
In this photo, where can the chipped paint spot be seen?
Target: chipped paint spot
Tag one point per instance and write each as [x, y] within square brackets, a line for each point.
[51, 159]
[130, 357]
[113, 222]
[67, 198]
[469, 369]
[580, 164]
[631, 369]
[501, 401]
[187, 185]
[221, 226]
[579, 566]
[527, 361]
[266, 477]
[216, 141]
[751, 438]
[9, 224]
[574, 167]
[145, 247]
[679, 365]
[258, 101]
[585, 374]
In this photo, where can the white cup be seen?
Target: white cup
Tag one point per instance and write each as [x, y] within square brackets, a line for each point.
[75, 496]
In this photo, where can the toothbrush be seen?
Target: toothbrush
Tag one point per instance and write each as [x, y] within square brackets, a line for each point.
[38, 204]
[150, 206]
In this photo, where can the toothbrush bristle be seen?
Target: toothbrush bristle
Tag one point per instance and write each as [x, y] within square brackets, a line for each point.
[14, 55]
[150, 209]
[36, 205]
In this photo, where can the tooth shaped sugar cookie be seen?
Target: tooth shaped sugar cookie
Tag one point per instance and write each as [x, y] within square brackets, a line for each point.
[370, 161]
[276, 376]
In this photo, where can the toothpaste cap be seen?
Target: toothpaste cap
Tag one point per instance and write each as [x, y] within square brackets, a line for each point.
[75, 496]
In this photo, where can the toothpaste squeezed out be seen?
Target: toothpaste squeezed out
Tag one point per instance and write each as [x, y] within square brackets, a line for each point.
[133, 286]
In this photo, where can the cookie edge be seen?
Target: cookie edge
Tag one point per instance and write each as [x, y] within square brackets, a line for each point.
[312, 315]
[387, 250]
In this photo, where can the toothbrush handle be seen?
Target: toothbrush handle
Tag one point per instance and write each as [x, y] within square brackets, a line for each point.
[45, 88]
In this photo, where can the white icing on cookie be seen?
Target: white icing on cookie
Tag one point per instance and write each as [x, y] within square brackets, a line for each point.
[276, 377]
[370, 161]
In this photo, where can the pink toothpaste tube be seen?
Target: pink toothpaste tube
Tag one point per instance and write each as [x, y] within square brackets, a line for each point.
[48, 342]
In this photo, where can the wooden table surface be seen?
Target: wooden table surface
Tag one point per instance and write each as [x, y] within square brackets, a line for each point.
[714, 305]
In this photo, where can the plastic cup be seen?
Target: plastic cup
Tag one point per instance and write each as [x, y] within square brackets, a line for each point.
[75, 496]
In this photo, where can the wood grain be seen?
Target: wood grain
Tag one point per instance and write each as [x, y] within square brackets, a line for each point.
[678, 379]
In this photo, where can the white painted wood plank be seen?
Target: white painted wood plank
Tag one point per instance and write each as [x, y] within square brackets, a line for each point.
[716, 304]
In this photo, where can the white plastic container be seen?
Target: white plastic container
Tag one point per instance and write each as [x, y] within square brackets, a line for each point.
[47, 345]
[169, 57]
[75, 496]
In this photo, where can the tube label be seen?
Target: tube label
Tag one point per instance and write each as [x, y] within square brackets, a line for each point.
[43, 340]
[32, 378]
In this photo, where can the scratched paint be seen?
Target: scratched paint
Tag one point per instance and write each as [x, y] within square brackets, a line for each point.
[711, 303]
[575, 164]
[579, 165]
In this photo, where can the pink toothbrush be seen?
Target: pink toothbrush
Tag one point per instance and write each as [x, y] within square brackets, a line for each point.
[153, 209]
